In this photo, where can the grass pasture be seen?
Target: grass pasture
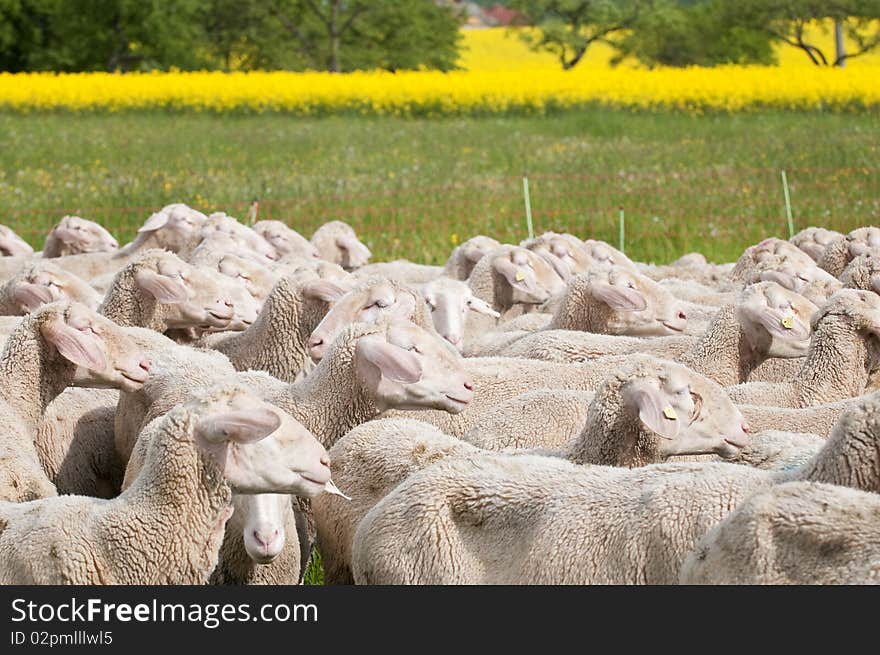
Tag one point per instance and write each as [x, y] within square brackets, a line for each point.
[416, 187]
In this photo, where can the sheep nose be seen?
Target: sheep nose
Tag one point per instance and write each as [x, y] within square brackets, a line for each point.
[325, 460]
[145, 364]
[745, 428]
[682, 316]
[469, 384]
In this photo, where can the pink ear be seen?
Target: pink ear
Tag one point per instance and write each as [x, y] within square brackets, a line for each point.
[162, 288]
[80, 348]
[393, 362]
[481, 307]
[154, 222]
[621, 299]
[772, 321]
[31, 296]
[512, 271]
[562, 268]
[651, 404]
[323, 290]
[239, 426]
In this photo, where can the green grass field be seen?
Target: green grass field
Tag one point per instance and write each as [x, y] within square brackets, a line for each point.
[412, 188]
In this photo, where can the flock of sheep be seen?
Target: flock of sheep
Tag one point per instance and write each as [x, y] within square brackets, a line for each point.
[211, 401]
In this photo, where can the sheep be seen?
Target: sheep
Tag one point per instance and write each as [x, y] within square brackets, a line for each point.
[768, 254]
[628, 425]
[73, 235]
[843, 352]
[59, 345]
[369, 302]
[465, 256]
[277, 341]
[12, 245]
[40, 283]
[225, 439]
[173, 228]
[603, 255]
[814, 241]
[337, 242]
[160, 291]
[863, 272]
[220, 223]
[285, 240]
[842, 251]
[531, 519]
[564, 252]
[794, 533]
[450, 302]
[512, 281]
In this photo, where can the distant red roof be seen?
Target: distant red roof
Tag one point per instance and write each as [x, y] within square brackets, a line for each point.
[505, 16]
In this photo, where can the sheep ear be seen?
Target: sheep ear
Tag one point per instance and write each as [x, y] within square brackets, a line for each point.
[162, 288]
[239, 426]
[352, 244]
[154, 222]
[393, 362]
[31, 296]
[562, 269]
[778, 324]
[66, 235]
[482, 307]
[78, 347]
[654, 410]
[516, 275]
[621, 299]
[323, 290]
[404, 308]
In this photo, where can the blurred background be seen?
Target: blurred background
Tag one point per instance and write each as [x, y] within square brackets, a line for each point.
[417, 121]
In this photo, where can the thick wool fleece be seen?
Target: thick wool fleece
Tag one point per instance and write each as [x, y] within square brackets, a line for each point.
[166, 528]
[125, 304]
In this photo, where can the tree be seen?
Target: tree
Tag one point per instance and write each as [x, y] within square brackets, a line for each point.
[788, 21]
[700, 33]
[567, 28]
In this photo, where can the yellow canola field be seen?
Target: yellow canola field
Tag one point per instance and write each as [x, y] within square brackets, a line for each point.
[528, 83]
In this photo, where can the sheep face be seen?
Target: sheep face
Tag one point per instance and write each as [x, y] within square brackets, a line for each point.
[774, 320]
[602, 256]
[43, 284]
[337, 242]
[367, 304]
[259, 448]
[449, 302]
[405, 367]
[12, 245]
[173, 226]
[814, 241]
[229, 226]
[199, 298]
[104, 355]
[863, 240]
[257, 279]
[75, 235]
[638, 305]
[564, 252]
[262, 519]
[690, 413]
[284, 240]
[531, 279]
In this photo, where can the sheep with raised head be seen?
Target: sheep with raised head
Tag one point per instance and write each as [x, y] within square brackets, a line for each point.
[74, 235]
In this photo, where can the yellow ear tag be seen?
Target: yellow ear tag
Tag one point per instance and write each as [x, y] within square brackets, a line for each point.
[519, 276]
[669, 413]
[788, 322]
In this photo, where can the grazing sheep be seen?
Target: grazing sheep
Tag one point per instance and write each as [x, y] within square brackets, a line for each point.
[277, 341]
[12, 245]
[450, 302]
[285, 240]
[465, 256]
[368, 302]
[41, 283]
[59, 345]
[814, 241]
[337, 243]
[528, 519]
[161, 292]
[191, 459]
[73, 235]
[629, 425]
[796, 533]
[844, 351]
[842, 251]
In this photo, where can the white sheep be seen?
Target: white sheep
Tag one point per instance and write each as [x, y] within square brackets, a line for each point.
[450, 302]
[285, 240]
[337, 242]
[842, 251]
[465, 256]
[40, 283]
[167, 526]
[12, 245]
[814, 240]
[73, 235]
